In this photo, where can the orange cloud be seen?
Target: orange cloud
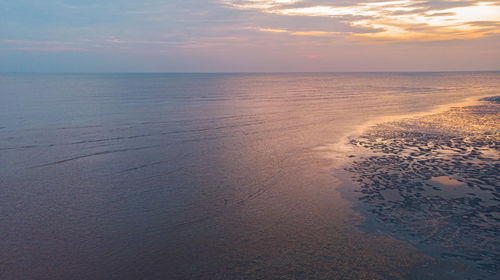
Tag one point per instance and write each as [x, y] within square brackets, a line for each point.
[392, 20]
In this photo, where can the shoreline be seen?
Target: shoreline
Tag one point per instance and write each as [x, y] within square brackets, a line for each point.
[340, 150]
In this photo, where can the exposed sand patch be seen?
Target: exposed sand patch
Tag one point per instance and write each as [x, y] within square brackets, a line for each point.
[445, 180]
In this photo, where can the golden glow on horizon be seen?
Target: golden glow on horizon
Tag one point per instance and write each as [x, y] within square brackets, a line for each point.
[394, 20]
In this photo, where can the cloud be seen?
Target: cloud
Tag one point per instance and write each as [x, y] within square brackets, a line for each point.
[249, 35]
[47, 49]
[258, 4]
[46, 46]
[311, 33]
[391, 20]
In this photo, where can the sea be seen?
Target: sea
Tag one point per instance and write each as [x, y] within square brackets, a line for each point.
[198, 175]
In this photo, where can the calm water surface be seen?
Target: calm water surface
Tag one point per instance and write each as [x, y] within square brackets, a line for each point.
[195, 175]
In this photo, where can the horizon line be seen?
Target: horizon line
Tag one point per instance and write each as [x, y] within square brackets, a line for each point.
[241, 72]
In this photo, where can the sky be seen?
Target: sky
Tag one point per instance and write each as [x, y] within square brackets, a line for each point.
[248, 35]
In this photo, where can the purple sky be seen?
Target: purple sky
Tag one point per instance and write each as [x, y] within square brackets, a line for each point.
[248, 35]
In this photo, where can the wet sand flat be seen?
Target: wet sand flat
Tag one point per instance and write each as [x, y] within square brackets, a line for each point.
[434, 180]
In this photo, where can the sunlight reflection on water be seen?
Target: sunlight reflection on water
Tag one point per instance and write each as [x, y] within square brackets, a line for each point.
[195, 175]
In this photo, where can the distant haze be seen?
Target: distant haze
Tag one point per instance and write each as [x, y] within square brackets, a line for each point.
[248, 35]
